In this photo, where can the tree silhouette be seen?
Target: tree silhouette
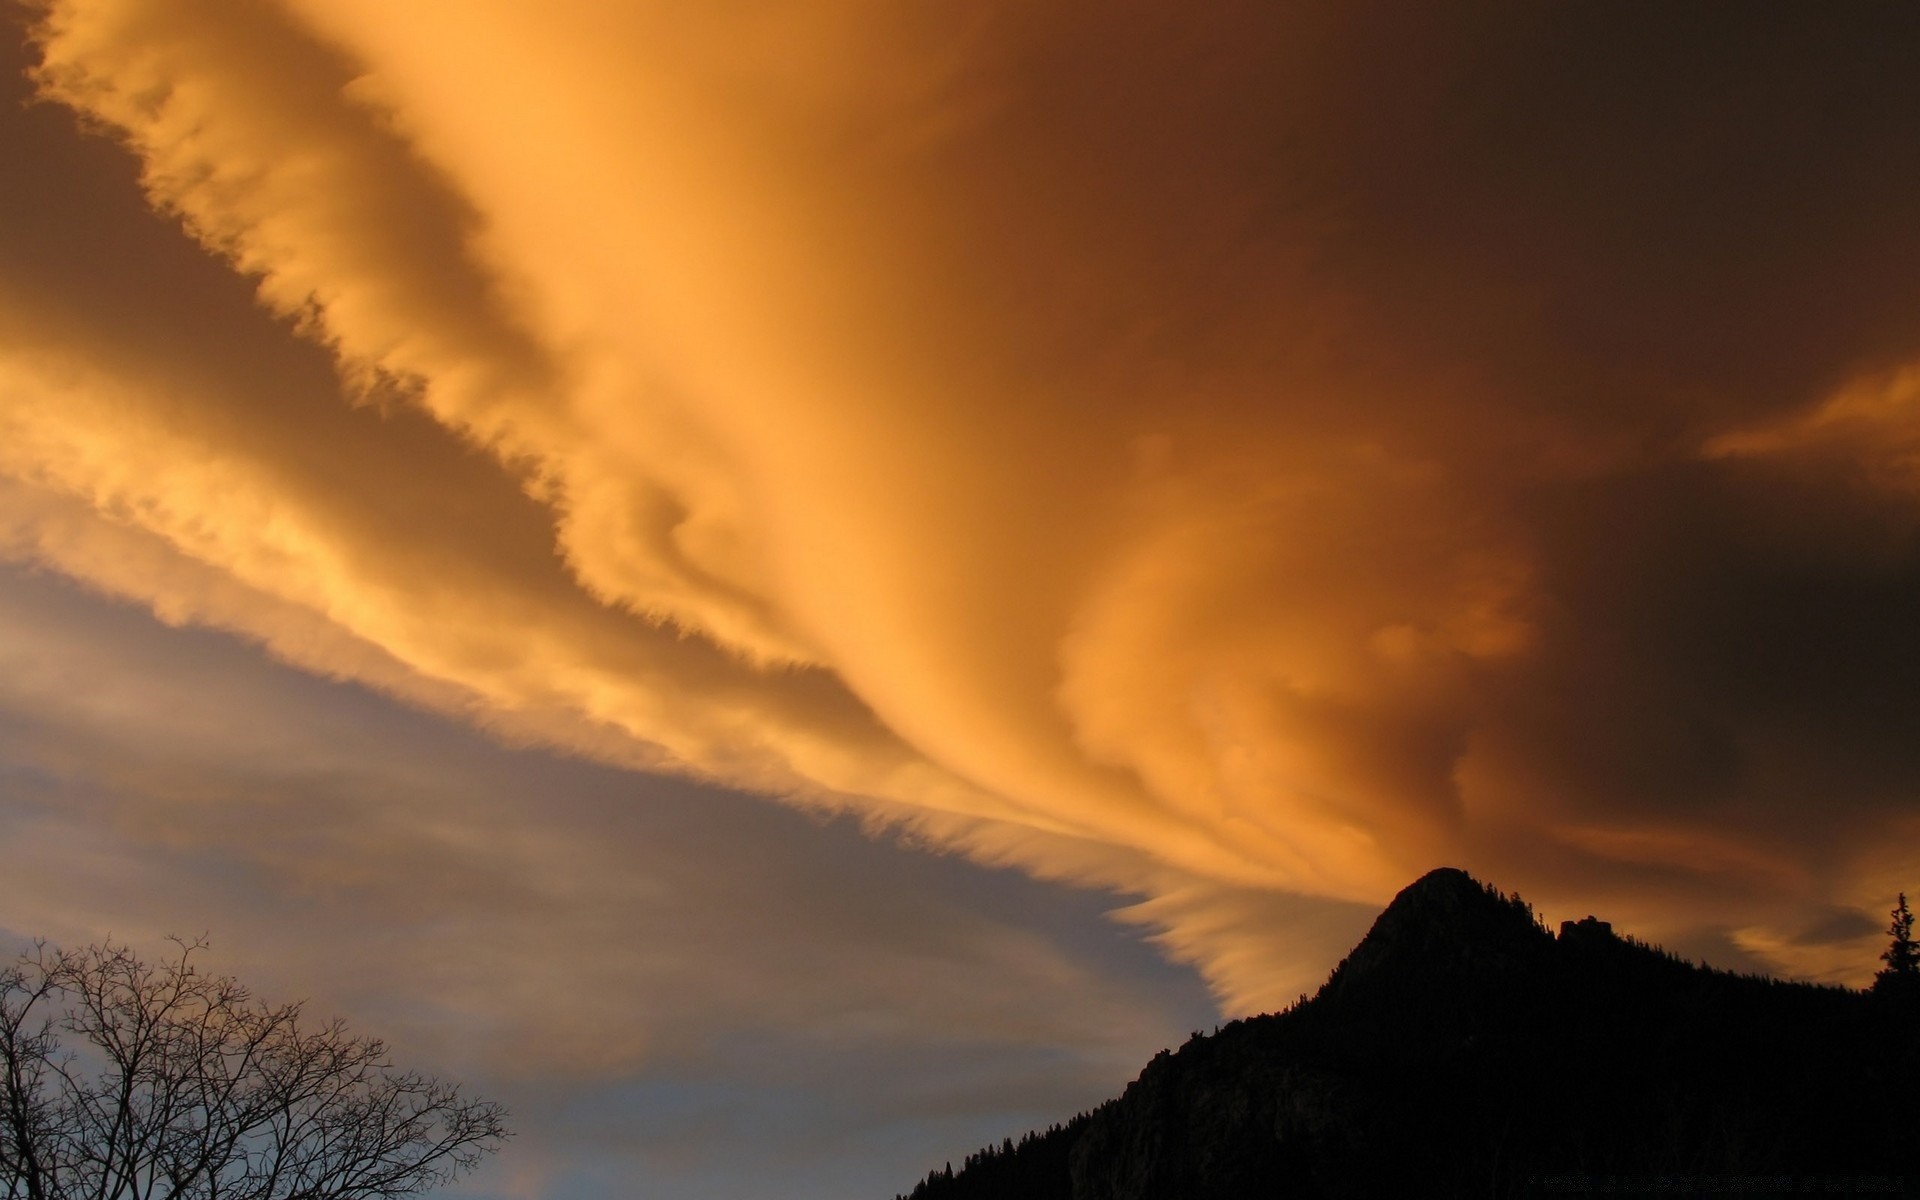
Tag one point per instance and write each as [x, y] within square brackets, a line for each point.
[1902, 972]
[180, 1085]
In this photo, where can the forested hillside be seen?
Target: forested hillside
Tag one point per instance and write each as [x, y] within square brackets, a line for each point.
[1462, 1048]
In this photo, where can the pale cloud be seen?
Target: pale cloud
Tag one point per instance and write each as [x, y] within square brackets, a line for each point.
[662, 962]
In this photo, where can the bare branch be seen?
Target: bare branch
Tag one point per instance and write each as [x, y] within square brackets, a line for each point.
[174, 1084]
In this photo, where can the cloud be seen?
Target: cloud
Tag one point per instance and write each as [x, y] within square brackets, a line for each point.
[646, 970]
[1220, 460]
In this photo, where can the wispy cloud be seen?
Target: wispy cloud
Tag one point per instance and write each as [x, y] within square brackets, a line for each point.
[649, 972]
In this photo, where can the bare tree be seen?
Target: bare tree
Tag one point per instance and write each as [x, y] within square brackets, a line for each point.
[121, 1080]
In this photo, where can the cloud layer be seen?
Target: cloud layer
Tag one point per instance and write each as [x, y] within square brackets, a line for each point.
[1236, 461]
[649, 973]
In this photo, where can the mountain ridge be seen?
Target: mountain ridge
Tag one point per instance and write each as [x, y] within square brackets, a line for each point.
[1463, 1048]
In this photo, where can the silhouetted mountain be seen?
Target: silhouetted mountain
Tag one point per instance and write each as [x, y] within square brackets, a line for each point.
[1463, 1049]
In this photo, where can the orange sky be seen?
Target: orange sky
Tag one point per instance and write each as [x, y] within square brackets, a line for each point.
[1233, 462]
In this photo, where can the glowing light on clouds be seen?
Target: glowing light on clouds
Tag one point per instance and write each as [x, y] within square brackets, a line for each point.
[1215, 460]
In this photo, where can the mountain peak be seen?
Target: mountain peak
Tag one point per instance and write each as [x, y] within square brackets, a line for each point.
[1443, 924]
[1462, 1050]
[1440, 886]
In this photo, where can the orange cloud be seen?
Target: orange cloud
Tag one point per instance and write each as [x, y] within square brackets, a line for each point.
[1207, 463]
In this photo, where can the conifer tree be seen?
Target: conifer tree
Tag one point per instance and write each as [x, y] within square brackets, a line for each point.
[1902, 957]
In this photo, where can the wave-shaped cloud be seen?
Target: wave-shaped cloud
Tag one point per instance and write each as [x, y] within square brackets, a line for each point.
[1255, 454]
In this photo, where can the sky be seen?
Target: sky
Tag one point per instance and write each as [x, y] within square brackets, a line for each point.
[793, 589]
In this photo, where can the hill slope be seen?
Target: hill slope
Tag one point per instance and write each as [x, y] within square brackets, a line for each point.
[1461, 1049]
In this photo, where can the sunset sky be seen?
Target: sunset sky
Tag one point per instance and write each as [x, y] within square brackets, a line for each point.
[790, 588]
